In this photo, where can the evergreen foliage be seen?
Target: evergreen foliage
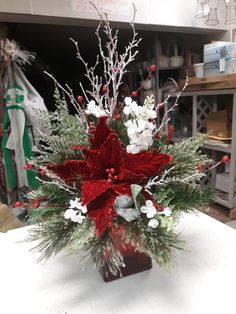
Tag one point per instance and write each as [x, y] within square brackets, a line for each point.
[93, 180]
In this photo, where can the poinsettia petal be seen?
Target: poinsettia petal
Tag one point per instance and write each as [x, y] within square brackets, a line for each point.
[111, 152]
[92, 189]
[100, 134]
[131, 177]
[96, 164]
[70, 169]
[109, 155]
[101, 211]
[146, 163]
[80, 167]
[122, 189]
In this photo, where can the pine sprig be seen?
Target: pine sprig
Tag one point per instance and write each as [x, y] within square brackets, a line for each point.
[54, 195]
[157, 243]
[103, 251]
[187, 153]
[183, 198]
[66, 132]
[52, 236]
[187, 156]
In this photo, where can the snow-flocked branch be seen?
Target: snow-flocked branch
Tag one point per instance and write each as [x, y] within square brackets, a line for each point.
[114, 64]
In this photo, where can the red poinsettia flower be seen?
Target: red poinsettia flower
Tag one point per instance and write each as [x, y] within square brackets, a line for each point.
[108, 171]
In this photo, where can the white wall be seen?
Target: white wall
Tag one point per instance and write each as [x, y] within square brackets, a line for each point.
[154, 12]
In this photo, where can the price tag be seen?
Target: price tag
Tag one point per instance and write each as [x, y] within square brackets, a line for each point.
[222, 65]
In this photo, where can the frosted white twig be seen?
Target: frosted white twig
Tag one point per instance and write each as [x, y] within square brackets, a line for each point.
[68, 189]
[165, 120]
[81, 86]
[69, 93]
[214, 166]
[158, 180]
[114, 64]
[164, 181]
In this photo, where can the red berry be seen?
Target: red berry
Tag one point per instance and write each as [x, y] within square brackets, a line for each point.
[112, 170]
[80, 99]
[109, 180]
[91, 127]
[104, 89]
[18, 204]
[35, 204]
[107, 170]
[171, 128]
[115, 178]
[28, 166]
[171, 159]
[152, 68]
[200, 167]
[160, 106]
[117, 116]
[225, 159]
[134, 94]
[110, 176]
[42, 173]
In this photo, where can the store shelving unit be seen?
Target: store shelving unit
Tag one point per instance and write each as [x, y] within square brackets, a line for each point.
[202, 104]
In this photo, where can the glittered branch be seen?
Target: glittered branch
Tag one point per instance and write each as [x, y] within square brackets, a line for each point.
[105, 93]
[69, 93]
[165, 118]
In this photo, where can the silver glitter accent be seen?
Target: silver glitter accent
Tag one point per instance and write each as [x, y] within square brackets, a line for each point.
[123, 208]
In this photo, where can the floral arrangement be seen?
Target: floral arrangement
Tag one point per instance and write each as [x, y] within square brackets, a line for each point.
[110, 174]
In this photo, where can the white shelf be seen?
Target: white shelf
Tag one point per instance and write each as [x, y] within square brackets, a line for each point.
[201, 106]
[222, 201]
[219, 147]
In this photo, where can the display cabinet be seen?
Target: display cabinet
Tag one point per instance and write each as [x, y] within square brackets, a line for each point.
[199, 105]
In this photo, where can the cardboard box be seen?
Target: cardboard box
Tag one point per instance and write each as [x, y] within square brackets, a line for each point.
[8, 220]
[219, 124]
[217, 50]
[222, 182]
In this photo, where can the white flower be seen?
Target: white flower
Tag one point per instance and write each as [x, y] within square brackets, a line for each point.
[166, 212]
[95, 110]
[84, 209]
[74, 215]
[139, 129]
[70, 214]
[127, 110]
[78, 218]
[133, 149]
[153, 223]
[128, 100]
[77, 204]
[141, 125]
[149, 209]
